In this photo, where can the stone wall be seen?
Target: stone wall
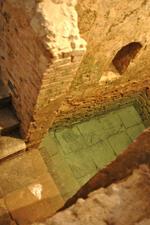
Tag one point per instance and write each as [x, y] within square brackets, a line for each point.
[81, 109]
[107, 27]
[39, 59]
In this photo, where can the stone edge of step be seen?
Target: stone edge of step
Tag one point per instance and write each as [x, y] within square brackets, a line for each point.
[8, 149]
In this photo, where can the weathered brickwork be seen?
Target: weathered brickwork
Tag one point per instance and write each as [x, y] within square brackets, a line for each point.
[107, 27]
[36, 69]
[81, 109]
[56, 82]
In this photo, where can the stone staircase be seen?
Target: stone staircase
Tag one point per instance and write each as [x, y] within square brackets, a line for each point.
[10, 141]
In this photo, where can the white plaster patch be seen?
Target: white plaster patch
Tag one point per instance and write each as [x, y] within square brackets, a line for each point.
[57, 21]
[36, 190]
[108, 76]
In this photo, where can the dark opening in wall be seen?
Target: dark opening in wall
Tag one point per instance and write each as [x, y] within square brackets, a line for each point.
[125, 55]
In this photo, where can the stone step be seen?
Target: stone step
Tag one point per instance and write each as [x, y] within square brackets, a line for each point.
[4, 95]
[8, 121]
[10, 146]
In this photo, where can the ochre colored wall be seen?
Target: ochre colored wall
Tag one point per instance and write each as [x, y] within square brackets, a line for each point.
[39, 59]
[107, 27]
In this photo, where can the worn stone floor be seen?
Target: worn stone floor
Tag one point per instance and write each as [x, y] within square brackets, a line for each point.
[123, 203]
[74, 154]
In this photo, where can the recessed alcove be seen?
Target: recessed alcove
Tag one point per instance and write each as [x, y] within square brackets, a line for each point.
[125, 55]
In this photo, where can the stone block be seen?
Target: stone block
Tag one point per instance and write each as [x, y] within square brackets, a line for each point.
[111, 124]
[10, 145]
[135, 131]
[102, 154]
[92, 131]
[34, 202]
[61, 173]
[70, 140]
[129, 116]
[80, 163]
[21, 170]
[119, 142]
[50, 144]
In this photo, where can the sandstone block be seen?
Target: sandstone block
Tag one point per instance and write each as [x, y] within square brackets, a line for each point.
[34, 202]
[21, 171]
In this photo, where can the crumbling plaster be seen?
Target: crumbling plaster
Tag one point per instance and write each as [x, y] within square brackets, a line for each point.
[55, 22]
[60, 22]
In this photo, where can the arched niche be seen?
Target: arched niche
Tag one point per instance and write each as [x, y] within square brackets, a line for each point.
[125, 55]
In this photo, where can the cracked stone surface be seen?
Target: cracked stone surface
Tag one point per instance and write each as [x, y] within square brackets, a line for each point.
[76, 153]
[126, 202]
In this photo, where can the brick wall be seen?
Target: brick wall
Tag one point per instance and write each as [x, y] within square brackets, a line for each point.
[36, 69]
[107, 27]
[56, 82]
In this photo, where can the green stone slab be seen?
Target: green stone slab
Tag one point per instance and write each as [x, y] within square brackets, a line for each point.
[102, 154]
[50, 144]
[135, 131]
[111, 124]
[80, 163]
[62, 174]
[91, 131]
[119, 142]
[68, 195]
[70, 140]
[86, 178]
[74, 155]
[129, 116]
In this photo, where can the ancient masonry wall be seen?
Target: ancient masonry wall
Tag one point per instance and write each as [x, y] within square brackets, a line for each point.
[40, 52]
[107, 27]
[78, 110]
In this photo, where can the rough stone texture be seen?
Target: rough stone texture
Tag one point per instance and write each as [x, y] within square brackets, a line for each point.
[4, 95]
[8, 121]
[61, 28]
[28, 190]
[21, 170]
[75, 154]
[5, 218]
[126, 202]
[37, 201]
[107, 27]
[32, 58]
[81, 109]
[10, 145]
[136, 154]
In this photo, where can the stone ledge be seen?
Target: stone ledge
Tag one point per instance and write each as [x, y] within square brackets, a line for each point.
[10, 146]
[35, 202]
[20, 171]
